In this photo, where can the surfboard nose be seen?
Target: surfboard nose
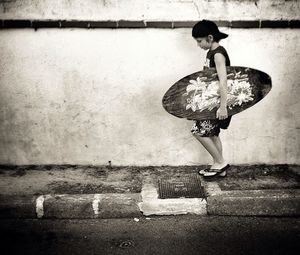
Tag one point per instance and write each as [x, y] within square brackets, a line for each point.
[264, 78]
[266, 83]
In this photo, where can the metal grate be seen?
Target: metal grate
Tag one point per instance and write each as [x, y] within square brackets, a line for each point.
[184, 186]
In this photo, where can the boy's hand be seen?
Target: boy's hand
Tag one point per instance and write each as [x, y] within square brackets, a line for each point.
[222, 113]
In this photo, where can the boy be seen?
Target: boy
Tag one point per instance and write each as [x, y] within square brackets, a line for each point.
[207, 35]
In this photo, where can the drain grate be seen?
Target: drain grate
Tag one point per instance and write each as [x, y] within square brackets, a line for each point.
[183, 186]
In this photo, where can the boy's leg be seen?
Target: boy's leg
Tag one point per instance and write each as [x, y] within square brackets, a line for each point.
[218, 143]
[206, 132]
[210, 146]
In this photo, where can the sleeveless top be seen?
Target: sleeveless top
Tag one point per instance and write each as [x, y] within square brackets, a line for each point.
[210, 61]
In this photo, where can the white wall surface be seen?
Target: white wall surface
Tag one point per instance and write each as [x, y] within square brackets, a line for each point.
[150, 10]
[78, 96]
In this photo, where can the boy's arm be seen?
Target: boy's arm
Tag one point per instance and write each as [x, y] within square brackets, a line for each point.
[222, 74]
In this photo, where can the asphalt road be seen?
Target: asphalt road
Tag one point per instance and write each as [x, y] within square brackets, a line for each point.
[157, 235]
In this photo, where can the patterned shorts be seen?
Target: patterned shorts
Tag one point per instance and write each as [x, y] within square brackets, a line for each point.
[206, 128]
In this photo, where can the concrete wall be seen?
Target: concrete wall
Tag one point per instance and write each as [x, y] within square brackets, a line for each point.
[150, 10]
[79, 96]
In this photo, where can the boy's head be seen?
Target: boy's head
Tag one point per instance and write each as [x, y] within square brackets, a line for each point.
[207, 31]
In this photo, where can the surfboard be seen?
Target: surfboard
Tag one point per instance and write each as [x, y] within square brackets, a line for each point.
[197, 97]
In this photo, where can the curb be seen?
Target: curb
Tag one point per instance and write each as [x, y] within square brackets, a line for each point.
[252, 202]
[18, 206]
[152, 205]
[119, 205]
[66, 206]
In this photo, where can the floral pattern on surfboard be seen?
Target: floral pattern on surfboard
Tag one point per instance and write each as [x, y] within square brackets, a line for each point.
[202, 95]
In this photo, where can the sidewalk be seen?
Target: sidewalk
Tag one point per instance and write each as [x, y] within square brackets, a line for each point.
[67, 191]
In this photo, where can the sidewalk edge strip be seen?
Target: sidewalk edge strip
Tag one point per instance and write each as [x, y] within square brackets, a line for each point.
[95, 204]
[40, 206]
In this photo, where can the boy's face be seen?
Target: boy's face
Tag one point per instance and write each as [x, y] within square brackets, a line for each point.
[203, 42]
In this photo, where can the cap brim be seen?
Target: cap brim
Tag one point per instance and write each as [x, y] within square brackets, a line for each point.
[223, 35]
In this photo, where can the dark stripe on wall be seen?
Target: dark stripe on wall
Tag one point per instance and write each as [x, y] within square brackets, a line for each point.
[245, 24]
[77, 24]
[131, 24]
[295, 23]
[160, 24]
[103, 24]
[45, 24]
[223, 23]
[17, 23]
[274, 24]
[36, 24]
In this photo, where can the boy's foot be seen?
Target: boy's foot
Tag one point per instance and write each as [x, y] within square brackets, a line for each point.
[212, 168]
[218, 166]
[206, 170]
[203, 171]
[216, 172]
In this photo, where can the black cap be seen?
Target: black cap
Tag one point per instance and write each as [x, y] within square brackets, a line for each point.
[206, 27]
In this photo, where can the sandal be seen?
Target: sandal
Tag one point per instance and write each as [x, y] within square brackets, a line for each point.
[216, 173]
[203, 171]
